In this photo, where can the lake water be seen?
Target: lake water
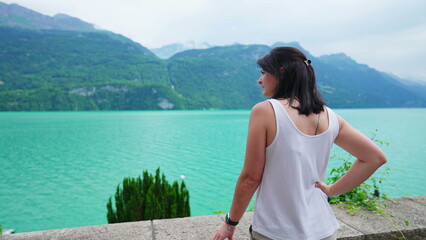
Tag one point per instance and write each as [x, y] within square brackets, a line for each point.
[58, 169]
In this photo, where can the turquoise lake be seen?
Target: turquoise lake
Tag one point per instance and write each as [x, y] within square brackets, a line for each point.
[58, 169]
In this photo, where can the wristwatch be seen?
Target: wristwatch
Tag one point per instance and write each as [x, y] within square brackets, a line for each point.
[229, 221]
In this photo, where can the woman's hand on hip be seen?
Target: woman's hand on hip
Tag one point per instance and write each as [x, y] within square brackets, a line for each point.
[325, 188]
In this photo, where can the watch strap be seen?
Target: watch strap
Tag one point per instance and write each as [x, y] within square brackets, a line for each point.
[229, 221]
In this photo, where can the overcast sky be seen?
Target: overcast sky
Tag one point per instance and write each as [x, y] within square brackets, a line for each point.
[389, 35]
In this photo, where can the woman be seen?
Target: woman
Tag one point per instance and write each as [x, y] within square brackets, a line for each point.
[288, 146]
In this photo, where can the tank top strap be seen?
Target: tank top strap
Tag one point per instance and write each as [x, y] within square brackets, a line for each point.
[333, 122]
[284, 121]
[278, 111]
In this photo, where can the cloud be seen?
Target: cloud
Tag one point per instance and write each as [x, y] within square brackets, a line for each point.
[385, 34]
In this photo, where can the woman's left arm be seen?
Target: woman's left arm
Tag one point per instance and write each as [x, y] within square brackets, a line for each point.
[251, 174]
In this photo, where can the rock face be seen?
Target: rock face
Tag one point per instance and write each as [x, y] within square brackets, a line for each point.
[165, 104]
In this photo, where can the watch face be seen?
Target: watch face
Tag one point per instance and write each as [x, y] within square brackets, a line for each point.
[229, 221]
[227, 218]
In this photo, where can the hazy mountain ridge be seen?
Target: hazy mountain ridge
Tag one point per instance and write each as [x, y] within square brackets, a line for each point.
[343, 82]
[65, 69]
[418, 88]
[169, 50]
[17, 16]
[362, 86]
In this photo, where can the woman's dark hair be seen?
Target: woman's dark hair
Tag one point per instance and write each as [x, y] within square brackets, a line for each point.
[296, 78]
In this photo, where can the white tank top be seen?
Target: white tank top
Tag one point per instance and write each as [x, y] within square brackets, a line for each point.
[288, 206]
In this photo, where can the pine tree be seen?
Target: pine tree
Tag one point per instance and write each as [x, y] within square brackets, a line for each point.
[147, 198]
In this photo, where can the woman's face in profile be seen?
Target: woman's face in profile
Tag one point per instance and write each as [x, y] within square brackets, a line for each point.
[268, 82]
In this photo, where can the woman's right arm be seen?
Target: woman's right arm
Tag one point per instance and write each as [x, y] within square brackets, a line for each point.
[369, 159]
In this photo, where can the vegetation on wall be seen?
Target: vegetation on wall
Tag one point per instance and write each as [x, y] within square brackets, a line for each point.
[368, 195]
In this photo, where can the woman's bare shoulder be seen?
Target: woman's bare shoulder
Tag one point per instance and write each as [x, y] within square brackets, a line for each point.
[340, 120]
[262, 111]
[264, 106]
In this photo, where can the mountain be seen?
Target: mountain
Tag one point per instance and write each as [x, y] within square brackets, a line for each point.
[68, 70]
[418, 88]
[167, 51]
[17, 16]
[293, 44]
[232, 72]
[14, 15]
[44, 68]
[346, 83]
[218, 77]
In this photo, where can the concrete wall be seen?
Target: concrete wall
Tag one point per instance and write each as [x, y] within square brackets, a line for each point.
[363, 225]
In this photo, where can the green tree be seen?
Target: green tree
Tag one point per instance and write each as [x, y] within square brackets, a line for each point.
[148, 197]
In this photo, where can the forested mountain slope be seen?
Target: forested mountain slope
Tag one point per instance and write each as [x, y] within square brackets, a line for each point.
[49, 66]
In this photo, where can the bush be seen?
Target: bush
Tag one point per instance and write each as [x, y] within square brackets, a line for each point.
[148, 198]
[369, 195]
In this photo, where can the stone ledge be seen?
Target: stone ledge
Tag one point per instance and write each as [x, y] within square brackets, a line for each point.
[361, 226]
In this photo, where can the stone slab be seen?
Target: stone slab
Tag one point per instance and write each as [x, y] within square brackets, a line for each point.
[346, 232]
[205, 227]
[361, 226]
[202, 227]
[118, 231]
[391, 225]
[418, 199]
[406, 209]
